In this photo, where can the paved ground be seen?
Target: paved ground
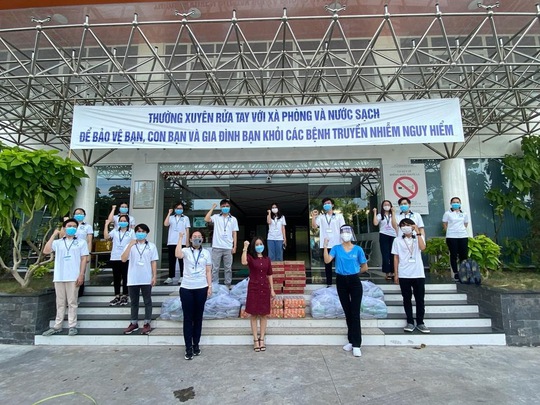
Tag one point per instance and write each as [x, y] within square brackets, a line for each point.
[281, 375]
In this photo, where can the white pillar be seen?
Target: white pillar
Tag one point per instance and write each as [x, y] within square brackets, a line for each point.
[86, 199]
[454, 184]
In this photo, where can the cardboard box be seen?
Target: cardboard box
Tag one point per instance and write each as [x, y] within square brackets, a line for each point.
[294, 313]
[294, 302]
[293, 283]
[293, 290]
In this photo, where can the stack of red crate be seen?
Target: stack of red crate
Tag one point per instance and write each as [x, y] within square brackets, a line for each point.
[278, 276]
[295, 277]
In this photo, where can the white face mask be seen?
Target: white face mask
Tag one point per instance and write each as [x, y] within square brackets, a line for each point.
[407, 230]
[386, 208]
[274, 210]
[346, 236]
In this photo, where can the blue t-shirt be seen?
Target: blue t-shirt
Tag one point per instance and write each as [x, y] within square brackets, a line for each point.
[348, 263]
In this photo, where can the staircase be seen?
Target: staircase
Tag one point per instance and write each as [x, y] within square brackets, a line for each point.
[452, 321]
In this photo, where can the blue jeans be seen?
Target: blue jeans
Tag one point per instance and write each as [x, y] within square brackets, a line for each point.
[275, 250]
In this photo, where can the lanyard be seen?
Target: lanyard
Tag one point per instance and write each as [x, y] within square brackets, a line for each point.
[198, 257]
[226, 223]
[178, 219]
[141, 253]
[326, 218]
[67, 248]
[122, 237]
[410, 247]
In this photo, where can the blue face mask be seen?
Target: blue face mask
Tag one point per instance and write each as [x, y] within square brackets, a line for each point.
[327, 207]
[140, 235]
[225, 210]
[178, 212]
[123, 224]
[79, 217]
[404, 208]
[259, 248]
[123, 210]
[456, 206]
[71, 231]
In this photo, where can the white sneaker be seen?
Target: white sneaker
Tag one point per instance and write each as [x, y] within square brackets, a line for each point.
[356, 352]
[348, 347]
[168, 281]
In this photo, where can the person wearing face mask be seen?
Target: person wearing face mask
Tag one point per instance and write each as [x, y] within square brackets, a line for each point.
[195, 288]
[386, 220]
[142, 275]
[177, 223]
[405, 212]
[329, 224]
[120, 237]
[84, 232]
[224, 238]
[277, 237]
[455, 223]
[260, 289]
[71, 256]
[409, 272]
[123, 210]
[350, 262]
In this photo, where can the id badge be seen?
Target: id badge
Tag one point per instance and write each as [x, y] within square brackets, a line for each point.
[140, 263]
[329, 230]
[67, 258]
[412, 260]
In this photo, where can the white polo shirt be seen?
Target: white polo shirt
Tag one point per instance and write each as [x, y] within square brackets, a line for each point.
[224, 226]
[131, 220]
[195, 263]
[329, 226]
[141, 257]
[177, 224]
[410, 257]
[67, 258]
[83, 230]
[385, 225]
[417, 218]
[456, 221]
[274, 228]
[120, 239]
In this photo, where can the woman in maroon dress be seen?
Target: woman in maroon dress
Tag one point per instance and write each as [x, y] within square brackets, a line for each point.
[260, 288]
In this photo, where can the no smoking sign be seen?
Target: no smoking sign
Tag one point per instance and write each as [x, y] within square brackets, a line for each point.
[405, 187]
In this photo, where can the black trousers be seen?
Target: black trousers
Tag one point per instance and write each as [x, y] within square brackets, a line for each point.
[172, 262]
[385, 243]
[120, 271]
[349, 289]
[134, 296]
[327, 268]
[459, 248]
[416, 287]
[193, 301]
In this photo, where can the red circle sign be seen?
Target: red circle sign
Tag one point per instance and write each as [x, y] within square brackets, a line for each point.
[405, 187]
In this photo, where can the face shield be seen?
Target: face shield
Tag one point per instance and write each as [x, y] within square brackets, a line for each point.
[345, 231]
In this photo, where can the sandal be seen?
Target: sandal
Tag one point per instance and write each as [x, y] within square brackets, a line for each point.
[256, 347]
[262, 347]
[388, 277]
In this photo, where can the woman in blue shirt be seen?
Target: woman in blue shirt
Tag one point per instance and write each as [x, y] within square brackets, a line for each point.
[350, 262]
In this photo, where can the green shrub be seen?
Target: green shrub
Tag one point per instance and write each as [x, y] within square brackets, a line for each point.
[439, 259]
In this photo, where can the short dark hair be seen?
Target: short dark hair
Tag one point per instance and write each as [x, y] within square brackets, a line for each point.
[224, 201]
[406, 221]
[142, 227]
[327, 199]
[67, 221]
[79, 209]
[125, 216]
[178, 203]
[404, 199]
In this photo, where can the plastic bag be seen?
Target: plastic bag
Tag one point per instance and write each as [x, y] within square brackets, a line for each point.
[221, 306]
[373, 308]
[239, 291]
[372, 290]
[171, 309]
[325, 304]
[219, 289]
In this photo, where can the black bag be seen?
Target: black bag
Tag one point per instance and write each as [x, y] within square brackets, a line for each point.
[469, 272]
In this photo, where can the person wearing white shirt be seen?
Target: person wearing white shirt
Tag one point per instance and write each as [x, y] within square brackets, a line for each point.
[120, 237]
[142, 276]
[71, 255]
[224, 239]
[277, 237]
[409, 272]
[177, 223]
[329, 224]
[124, 209]
[455, 223]
[386, 221]
[196, 287]
[405, 212]
[84, 232]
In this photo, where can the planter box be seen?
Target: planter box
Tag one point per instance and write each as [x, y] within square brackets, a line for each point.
[22, 316]
[516, 313]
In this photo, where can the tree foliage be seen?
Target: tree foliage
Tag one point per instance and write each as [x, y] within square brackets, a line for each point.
[29, 182]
